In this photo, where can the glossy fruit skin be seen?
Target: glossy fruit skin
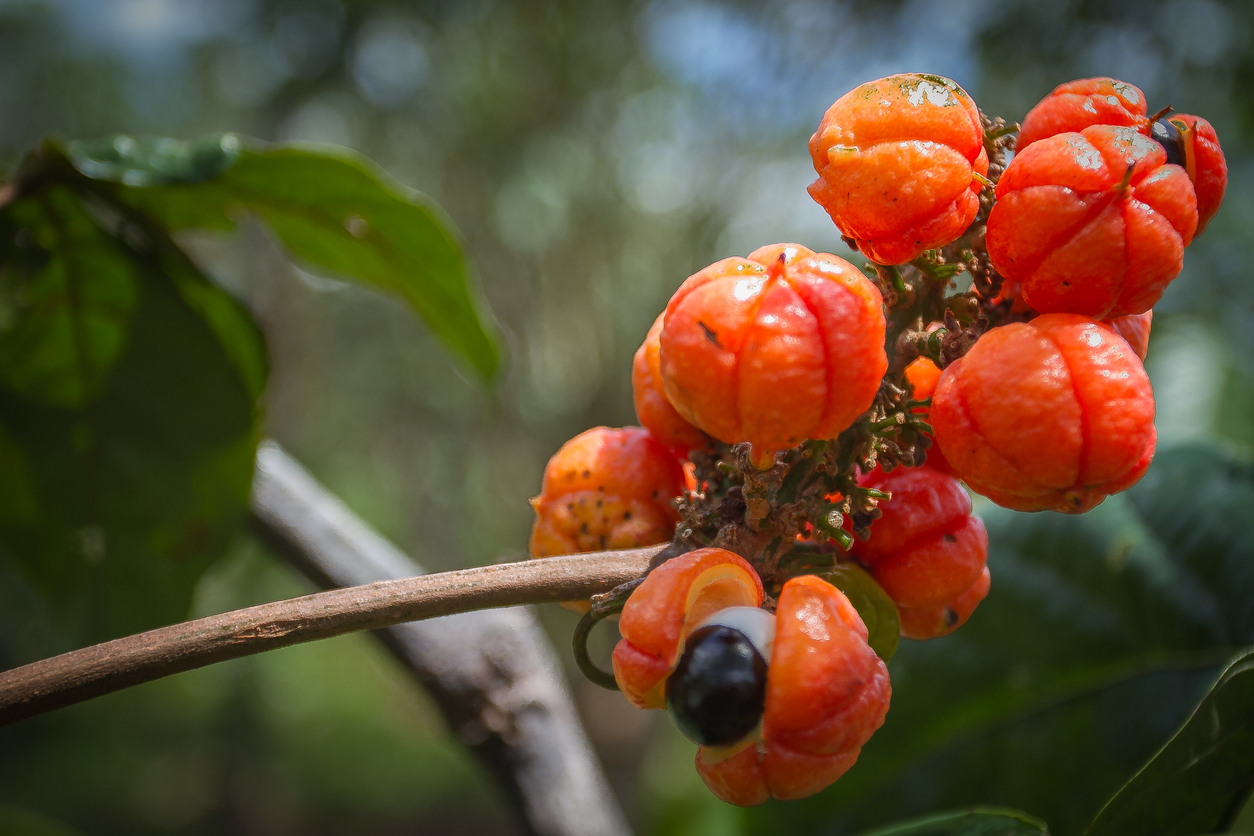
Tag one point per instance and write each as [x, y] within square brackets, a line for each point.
[782, 346]
[827, 692]
[653, 409]
[672, 602]
[1052, 414]
[927, 547]
[1080, 104]
[897, 160]
[1204, 161]
[606, 489]
[923, 375]
[926, 623]
[1135, 328]
[927, 550]
[1082, 235]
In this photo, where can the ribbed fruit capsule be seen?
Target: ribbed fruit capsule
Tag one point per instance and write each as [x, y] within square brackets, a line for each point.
[1135, 328]
[927, 549]
[675, 599]
[1191, 143]
[690, 640]
[924, 623]
[1081, 104]
[826, 694]
[654, 410]
[606, 489]
[901, 162]
[1052, 414]
[783, 346]
[1093, 223]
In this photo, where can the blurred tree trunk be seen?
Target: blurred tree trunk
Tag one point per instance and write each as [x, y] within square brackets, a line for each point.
[492, 672]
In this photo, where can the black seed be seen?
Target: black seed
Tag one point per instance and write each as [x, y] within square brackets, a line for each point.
[1168, 136]
[717, 691]
[951, 617]
[949, 538]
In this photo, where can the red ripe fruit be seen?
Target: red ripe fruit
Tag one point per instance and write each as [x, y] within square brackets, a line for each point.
[927, 550]
[781, 347]
[1093, 223]
[653, 410]
[934, 622]
[1052, 414]
[1192, 143]
[1134, 328]
[900, 163]
[1080, 104]
[606, 489]
[923, 375]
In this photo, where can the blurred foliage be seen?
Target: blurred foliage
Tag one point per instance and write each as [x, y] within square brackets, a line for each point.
[127, 425]
[593, 155]
[977, 822]
[1105, 631]
[130, 382]
[1202, 776]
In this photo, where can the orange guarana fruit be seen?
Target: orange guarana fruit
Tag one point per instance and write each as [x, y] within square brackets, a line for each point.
[1052, 414]
[927, 547]
[1093, 223]
[871, 150]
[933, 622]
[782, 346]
[827, 692]
[653, 410]
[1135, 328]
[1191, 142]
[671, 602]
[606, 489]
[1080, 104]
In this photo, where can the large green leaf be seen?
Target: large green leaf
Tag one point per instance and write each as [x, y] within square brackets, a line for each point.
[1201, 778]
[981, 821]
[1099, 635]
[120, 486]
[331, 208]
[67, 291]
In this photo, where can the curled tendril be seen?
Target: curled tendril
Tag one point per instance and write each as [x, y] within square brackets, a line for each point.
[603, 606]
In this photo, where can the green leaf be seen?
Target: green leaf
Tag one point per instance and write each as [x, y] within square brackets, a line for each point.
[981, 821]
[333, 210]
[1201, 778]
[154, 161]
[878, 611]
[115, 503]
[1099, 635]
[67, 291]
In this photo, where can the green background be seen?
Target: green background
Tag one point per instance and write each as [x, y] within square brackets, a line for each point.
[592, 155]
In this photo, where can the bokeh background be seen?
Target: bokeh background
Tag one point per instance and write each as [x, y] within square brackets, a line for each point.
[593, 154]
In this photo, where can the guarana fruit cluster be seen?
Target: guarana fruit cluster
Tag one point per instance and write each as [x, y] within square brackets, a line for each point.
[806, 425]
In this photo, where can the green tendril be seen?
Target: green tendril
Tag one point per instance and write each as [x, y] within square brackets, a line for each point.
[586, 666]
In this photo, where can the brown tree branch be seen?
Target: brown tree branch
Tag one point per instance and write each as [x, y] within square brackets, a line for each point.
[92, 671]
[493, 672]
